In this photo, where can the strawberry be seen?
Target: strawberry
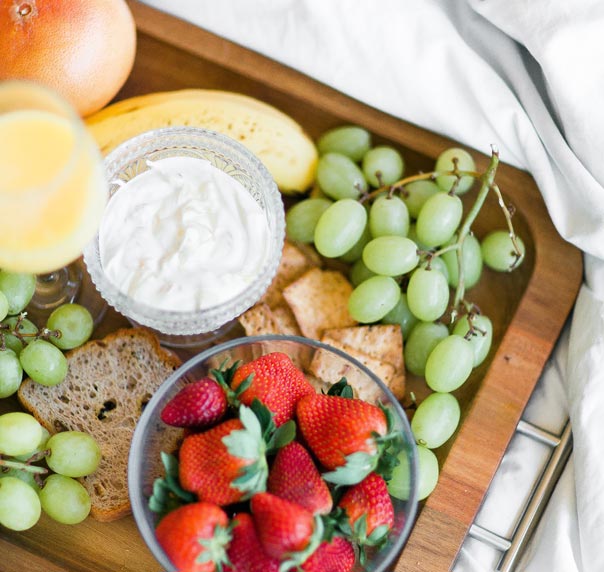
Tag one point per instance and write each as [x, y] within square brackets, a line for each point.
[369, 514]
[294, 477]
[335, 556]
[275, 381]
[227, 464]
[194, 537]
[198, 405]
[285, 529]
[208, 469]
[245, 551]
[350, 437]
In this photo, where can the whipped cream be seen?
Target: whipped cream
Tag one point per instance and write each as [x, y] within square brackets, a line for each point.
[183, 235]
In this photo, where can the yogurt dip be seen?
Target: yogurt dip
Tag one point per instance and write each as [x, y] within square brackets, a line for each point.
[183, 236]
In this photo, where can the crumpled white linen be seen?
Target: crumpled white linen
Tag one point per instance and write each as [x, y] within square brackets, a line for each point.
[525, 75]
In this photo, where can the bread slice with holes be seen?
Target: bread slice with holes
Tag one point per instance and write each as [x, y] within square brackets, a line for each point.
[108, 383]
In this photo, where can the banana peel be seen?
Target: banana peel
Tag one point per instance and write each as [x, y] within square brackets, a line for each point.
[273, 136]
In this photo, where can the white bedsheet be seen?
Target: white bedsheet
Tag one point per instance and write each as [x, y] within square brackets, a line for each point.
[527, 76]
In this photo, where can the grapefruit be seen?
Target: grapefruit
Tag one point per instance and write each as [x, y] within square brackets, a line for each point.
[83, 49]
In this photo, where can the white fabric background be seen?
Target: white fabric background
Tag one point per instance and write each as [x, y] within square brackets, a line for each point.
[528, 76]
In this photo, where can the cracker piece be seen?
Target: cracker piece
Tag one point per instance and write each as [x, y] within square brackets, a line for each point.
[293, 264]
[319, 300]
[397, 385]
[259, 320]
[330, 368]
[380, 341]
[286, 320]
[320, 385]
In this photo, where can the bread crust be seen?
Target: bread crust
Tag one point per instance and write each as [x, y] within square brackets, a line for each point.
[108, 383]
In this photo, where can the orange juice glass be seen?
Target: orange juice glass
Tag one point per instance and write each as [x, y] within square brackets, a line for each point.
[52, 186]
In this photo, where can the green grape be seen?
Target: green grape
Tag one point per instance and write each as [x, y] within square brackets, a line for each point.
[302, 218]
[64, 499]
[465, 162]
[25, 327]
[75, 324]
[43, 362]
[3, 305]
[472, 263]
[383, 166]
[399, 486]
[498, 251]
[19, 504]
[388, 216]
[417, 193]
[340, 227]
[356, 252]
[402, 316]
[18, 289]
[41, 446]
[481, 339]
[73, 454]
[435, 419]
[25, 476]
[359, 272]
[449, 364]
[371, 300]
[20, 433]
[438, 264]
[348, 140]
[438, 220]
[390, 255]
[11, 372]
[427, 294]
[422, 339]
[340, 177]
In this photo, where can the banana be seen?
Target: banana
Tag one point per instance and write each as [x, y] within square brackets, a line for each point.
[273, 136]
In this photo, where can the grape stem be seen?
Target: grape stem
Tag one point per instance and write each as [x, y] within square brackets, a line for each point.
[23, 466]
[508, 212]
[487, 179]
[429, 176]
[42, 333]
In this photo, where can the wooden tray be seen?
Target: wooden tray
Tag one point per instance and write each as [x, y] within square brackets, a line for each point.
[528, 307]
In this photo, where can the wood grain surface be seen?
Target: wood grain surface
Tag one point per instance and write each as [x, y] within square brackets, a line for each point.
[528, 307]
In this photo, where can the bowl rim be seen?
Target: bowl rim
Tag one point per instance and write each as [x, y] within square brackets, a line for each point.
[135, 492]
[155, 317]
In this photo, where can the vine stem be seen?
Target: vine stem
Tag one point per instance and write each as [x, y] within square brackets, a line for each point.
[508, 218]
[487, 184]
[23, 467]
[419, 177]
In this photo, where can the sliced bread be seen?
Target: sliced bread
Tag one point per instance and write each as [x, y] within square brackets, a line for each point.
[108, 383]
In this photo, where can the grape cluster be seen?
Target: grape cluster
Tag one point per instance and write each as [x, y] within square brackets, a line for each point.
[409, 244]
[29, 486]
[24, 347]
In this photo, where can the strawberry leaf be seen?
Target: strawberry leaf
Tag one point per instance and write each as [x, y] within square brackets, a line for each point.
[281, 436]
[248, 443]
[336, 523]
[167, 492]
[215, 548]
[378, 535]
[341, 389]
[224, 376]
[358, 465]
[265, 417]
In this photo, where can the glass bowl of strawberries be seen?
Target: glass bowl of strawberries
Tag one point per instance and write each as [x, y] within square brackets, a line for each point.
[259, 451]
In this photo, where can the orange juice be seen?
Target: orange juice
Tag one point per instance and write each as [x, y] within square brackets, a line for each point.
[52, 190]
